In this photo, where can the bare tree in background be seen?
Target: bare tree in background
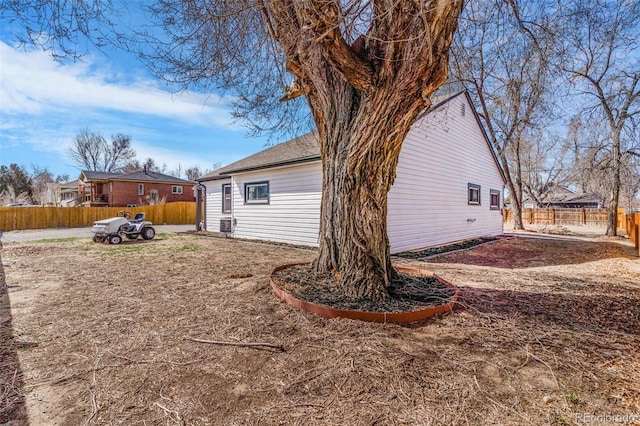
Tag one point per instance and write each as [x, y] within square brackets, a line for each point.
[602, 49]
[543, 165]
[504, 62]
[91, 151]
[365, 68]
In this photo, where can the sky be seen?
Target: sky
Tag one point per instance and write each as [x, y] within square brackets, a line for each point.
[44, 104]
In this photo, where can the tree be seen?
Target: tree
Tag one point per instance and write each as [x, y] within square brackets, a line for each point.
[543, 165]
[504, 62]
[92, 152]
[602, 49]
[15, 185]
[195, 172]
[365, 68]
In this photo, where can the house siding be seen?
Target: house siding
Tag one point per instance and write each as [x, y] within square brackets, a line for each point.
[293, 213]
[428, 204]
[428, 201]
[213, 204]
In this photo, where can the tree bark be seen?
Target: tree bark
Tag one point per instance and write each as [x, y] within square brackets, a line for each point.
[612, 222]
[364, 97]
[359, 166]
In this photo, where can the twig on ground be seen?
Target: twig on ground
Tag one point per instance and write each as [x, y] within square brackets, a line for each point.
[257, 345]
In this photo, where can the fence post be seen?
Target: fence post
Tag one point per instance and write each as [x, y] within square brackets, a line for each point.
[637, 226]
[584, 216]
[553, 216]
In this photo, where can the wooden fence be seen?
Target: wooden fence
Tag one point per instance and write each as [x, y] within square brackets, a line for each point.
[13, 218]
[631, 224]
[554, 216]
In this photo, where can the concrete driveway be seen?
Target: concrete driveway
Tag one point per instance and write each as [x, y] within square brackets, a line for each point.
[84, 232]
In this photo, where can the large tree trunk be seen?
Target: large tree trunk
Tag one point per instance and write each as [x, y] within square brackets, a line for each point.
[359, 158]
[359, 164]
[364, 97]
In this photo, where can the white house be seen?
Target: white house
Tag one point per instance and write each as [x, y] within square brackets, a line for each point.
[448, 187]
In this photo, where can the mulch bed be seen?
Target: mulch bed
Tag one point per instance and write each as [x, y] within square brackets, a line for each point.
[432, 251]
[406, 293]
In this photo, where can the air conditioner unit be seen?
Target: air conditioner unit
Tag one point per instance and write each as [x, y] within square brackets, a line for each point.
[225, 224]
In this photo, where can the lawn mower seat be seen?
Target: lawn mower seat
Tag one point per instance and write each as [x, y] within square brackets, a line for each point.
[139, 217]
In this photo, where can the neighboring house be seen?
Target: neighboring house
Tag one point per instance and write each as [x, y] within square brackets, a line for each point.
[133, 189]
[69, 195]
[448, 186]
[562, 197]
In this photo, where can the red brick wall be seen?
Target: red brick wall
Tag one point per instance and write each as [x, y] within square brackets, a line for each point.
[122, 193]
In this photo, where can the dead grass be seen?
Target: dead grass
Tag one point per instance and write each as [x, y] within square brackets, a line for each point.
[100, 335]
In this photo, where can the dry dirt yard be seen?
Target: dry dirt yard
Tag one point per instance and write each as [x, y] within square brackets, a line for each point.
[547, 331]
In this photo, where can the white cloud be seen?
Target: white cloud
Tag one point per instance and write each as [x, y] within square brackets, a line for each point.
[32, 83]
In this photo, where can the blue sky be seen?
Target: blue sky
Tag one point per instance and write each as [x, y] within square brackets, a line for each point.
[44, 104]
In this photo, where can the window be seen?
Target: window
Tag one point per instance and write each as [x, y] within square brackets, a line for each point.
[495, 199]
[176, 189]
[154, 194]
[474, 194]
[256, 193]
[141, 189]
[226, 198]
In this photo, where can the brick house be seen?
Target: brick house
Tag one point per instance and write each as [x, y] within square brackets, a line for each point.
[133, 189]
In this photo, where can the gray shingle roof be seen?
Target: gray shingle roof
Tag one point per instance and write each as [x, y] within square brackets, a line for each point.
[139, 176]
[301, 149]
[91, 175]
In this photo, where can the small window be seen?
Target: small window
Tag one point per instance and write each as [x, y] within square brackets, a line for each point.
[495, 199]
[474, 194]
[176, 189]
[154, 195]
[226, 198]
[256, 193]
[141, 189]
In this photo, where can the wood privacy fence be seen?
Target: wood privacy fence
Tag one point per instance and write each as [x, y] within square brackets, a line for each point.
[554, 216]
[631, 224]
[13, 218]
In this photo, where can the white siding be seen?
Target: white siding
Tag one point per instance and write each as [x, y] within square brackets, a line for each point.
[293, 213]
[213, 204]
[428, 201]
[443, 153]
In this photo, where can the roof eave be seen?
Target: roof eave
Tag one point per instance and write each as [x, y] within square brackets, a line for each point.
[227, 173]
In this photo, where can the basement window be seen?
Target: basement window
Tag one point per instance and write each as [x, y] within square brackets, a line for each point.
[256, 193]
[473, 191]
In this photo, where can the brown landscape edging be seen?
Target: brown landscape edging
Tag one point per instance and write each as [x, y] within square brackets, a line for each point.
[395, 317]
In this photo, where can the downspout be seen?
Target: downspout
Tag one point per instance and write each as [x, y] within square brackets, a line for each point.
[200, 223]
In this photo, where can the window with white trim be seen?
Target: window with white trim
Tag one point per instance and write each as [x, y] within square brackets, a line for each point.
[494, 197]
[226, 198]
[256, 193]
[141, 189]
[176, 189]
[473, 196]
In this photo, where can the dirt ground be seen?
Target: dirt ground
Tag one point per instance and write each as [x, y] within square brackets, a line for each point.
[547, 331]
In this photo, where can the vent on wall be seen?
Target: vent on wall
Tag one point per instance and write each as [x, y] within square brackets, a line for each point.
[225, 224]
[462, 110]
